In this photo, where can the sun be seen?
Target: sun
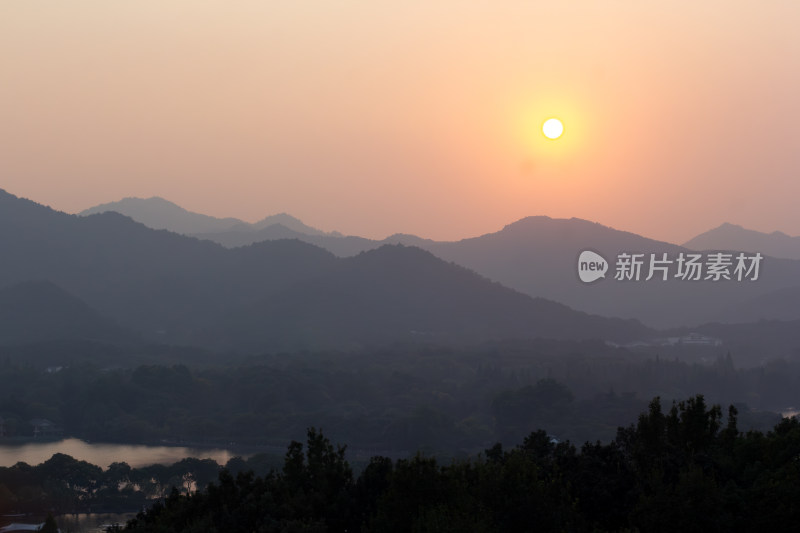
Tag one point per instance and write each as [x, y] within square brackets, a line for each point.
[552, 128]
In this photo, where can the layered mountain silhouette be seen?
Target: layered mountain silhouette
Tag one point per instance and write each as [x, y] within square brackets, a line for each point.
[274, 294]
[538, 256]
[157, 282]
[158, 213]
[733, 237]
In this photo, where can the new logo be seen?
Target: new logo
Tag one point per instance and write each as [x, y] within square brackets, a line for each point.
[591, 266]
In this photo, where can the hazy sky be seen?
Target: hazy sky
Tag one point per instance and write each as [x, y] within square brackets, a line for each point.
[416, 116]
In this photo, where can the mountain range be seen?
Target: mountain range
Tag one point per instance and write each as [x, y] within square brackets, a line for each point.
[272, 295]
[538, 256]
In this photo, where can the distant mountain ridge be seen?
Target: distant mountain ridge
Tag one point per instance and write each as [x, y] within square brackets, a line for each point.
[158, 213]
[734, 237]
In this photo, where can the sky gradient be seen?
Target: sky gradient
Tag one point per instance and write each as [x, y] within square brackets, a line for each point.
[372, 118]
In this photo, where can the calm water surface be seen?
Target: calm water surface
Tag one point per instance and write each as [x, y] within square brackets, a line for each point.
[91, 523]
[74, 523]
[104, 454]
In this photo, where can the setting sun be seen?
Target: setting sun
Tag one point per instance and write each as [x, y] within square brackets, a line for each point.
[552, 128]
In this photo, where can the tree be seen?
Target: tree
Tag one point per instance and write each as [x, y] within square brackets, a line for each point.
[50, 525]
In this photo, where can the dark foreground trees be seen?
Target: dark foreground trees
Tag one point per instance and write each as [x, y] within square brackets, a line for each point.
[686, 469]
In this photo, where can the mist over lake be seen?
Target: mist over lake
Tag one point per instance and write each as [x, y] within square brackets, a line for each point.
[103, 454]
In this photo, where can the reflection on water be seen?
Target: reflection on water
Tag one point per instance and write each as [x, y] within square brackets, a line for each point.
[73, 523]
[91, 523]
[105, 454]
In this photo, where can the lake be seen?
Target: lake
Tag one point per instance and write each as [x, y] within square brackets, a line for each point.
[73, 523]
[102, 454]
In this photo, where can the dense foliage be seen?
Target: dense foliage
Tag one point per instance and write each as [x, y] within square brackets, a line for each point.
[686, 469]
[391, 401]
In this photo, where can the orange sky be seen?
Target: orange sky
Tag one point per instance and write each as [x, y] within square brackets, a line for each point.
[421, 117]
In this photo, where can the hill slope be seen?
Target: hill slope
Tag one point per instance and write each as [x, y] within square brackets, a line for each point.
[398, 293]
[36, 311]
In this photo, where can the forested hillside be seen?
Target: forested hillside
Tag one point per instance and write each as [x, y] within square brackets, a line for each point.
[395, 400]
